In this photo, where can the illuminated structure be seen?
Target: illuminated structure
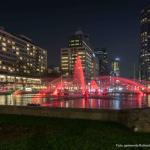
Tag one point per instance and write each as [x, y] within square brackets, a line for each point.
[116, 67]
[22, 63]
[145, 44]
[102, 87]
[78, 45]
[103, 60]
[20, 57]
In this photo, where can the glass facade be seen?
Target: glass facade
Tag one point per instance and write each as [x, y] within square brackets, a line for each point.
[103, 60]
[116, 67]
[145, 44]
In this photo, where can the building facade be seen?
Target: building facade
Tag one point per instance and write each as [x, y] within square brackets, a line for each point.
[22, 63]
[144, 61]
[19, 56]
[78, 45]
[103, 60]
[116, 67]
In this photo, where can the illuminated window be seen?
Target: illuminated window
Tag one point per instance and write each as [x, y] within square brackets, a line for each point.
[13, 47]
[4, 44]
[4, 67]
[63, 61]
[17, 53]
[64, 64]
[13, 43]
[28, 45]
[76, 44]
[4, 49]
[64, 57]
[9, 41]
[4, 39]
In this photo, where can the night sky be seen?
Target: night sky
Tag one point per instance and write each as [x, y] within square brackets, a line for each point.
[113, 24]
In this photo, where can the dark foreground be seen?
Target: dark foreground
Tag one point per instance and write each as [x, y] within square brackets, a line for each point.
[41, 133]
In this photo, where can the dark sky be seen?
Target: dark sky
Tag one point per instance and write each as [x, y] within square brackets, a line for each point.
[110, 23]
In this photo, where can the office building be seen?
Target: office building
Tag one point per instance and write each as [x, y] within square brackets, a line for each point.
[78, 45]
[116, 67]
[20, 59]
[103, 61]
[144, 61]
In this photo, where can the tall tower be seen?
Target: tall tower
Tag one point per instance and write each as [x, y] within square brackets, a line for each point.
[78, 45]
[116, 67]
[103, 61]
[144, 64]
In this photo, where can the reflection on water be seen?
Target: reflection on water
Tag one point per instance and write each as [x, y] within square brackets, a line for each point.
[118, 102]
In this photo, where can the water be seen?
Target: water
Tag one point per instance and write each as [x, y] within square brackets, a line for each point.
[117, 102]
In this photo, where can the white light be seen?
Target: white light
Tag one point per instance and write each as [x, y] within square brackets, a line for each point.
[28, 89]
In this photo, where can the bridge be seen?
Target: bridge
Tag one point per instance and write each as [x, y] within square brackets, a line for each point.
[100, 85]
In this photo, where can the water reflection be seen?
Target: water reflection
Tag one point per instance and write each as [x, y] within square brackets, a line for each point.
[118, 102]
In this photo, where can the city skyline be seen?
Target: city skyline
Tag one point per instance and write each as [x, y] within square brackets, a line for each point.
[51, 26]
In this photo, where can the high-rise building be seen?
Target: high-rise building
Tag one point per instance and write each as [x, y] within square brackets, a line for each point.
[19, 56]
[21, 61]
[78, 45]
[145, 44]
[116, 67]
[103, 59]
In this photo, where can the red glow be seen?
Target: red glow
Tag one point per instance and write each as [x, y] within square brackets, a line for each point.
[78, 76]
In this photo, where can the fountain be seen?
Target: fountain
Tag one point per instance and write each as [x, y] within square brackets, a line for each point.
[101, 87]
[78, 76]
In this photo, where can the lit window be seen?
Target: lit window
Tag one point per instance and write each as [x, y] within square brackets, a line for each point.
[4, 49]
[4, 39]
[13, 43]
[76, 44]
[17, 53]
[8, 41]
[4, 67]
[13, 47]
[4, 44]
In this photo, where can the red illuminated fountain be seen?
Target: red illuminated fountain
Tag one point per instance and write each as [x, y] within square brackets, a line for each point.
[78, 75]
[100, 87]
